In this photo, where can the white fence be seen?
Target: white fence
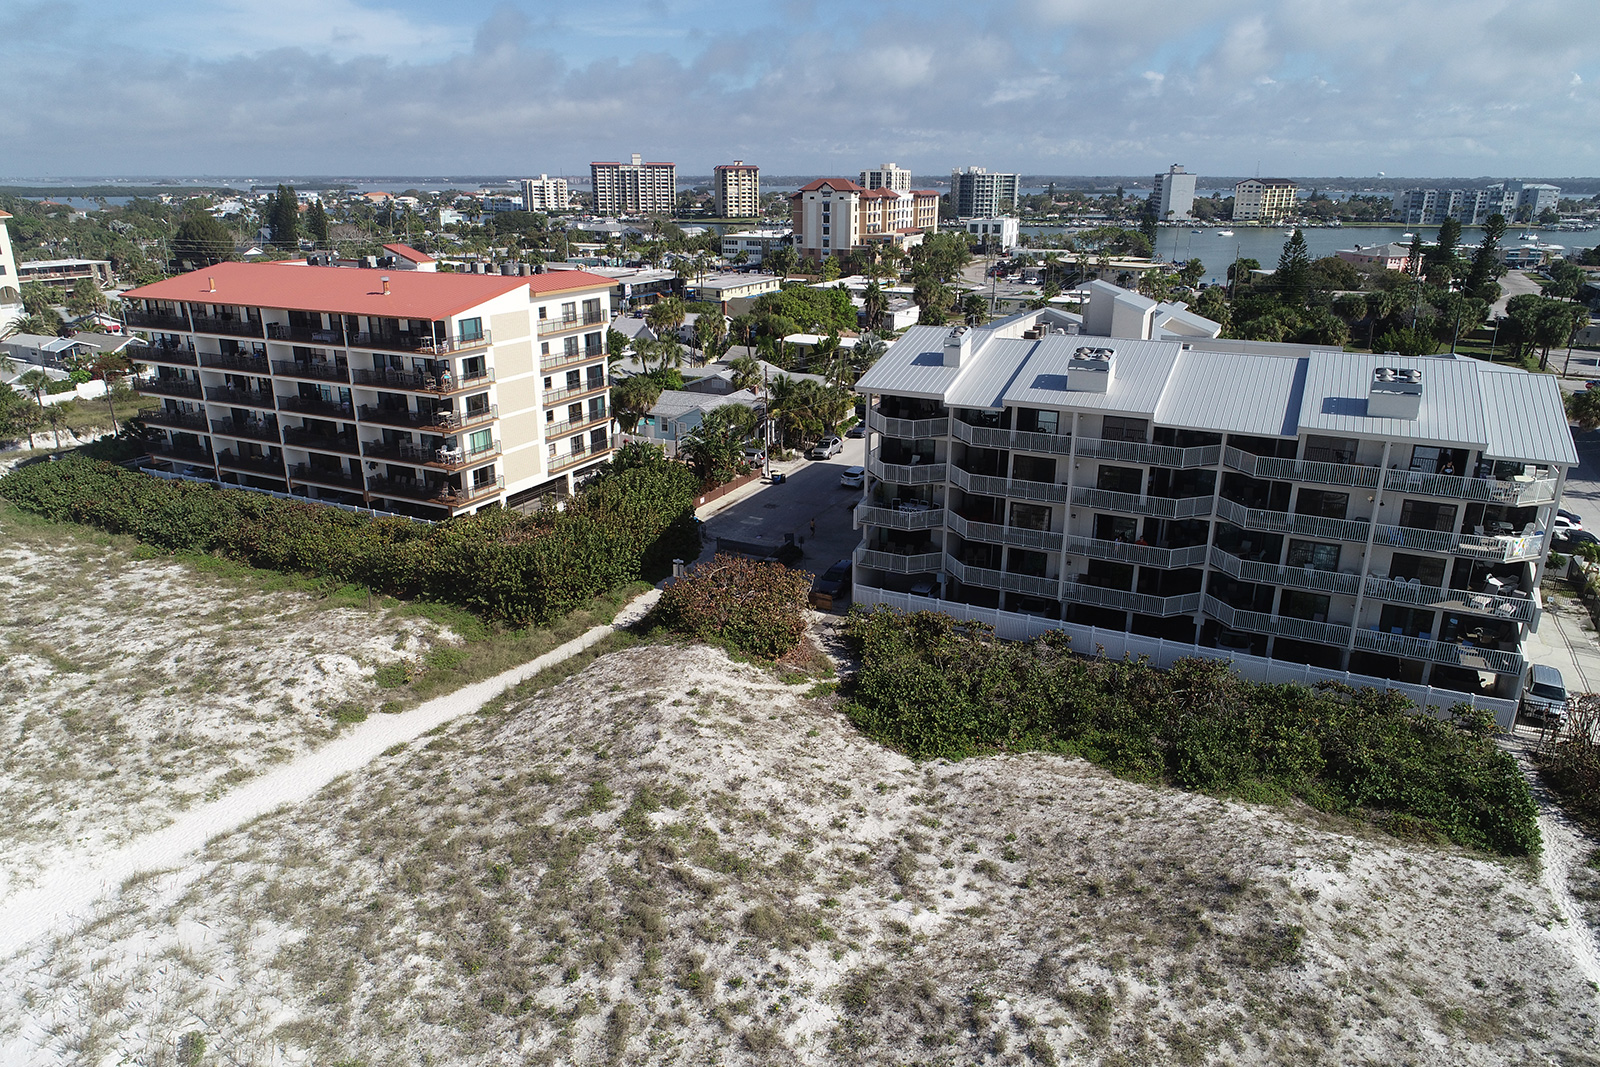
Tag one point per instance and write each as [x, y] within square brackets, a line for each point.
[1115, 644]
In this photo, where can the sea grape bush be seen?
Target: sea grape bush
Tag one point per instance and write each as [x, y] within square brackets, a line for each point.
[934, 687]
[517, 569]
[757, 608]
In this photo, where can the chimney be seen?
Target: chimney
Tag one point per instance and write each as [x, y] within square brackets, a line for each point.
[1089, 370]
[385, 285]
[211, 284]
[1396, 393]
[957, 345]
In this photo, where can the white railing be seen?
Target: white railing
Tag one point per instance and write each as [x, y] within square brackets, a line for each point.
[1283, 522]
[989, 578]
[1146, 555]
[895, 563]
[895, 519]
[1056, 444]
[990, 485]
[1158, 455]
[1257, 622]
[1468, 656]
[907, 473]
[1433, 596]
[1301, 470]
[1501, 548]
[1126, 600]
[1005, 535]
[1116, 644]
[913, 429]
[1294, 577]
[1162, 507]
[1522, 490]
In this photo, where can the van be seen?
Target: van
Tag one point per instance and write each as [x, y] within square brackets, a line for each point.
[1544, 698]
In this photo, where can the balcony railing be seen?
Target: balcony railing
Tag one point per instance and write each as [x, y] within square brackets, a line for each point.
[195, 422]
[409, 489]
[174, 354]
[912, 429]
[453, 459]
[574, 459]
[316, 407]
[156, 385]
[242, 461]
[1007, 581]
[181, 453]
[557, 360]
[898, 563]
[308, 335]
[1465, 655]
[1022, 488]
[253, 431]
[415, 382]
[1517, 491]
[1257, 622]
[1156, 455]
[907, 473]
[386, 416]
[1248, 570]
[234, 361]
[477, 491]
[1395, 591]
[561, 429]
[245, 398]
[1127, 600]
[1144, 555]
[411, 342]
[894, 519]
[556, 396]
[566, 324]
[345, 444]
[1498, 548]
[1298, 470]
[1161, 507]
[305, 472]
[231, 327]
[1057, 444]
[316, 369]
[1281, 522]
[152, 320]
[993, 533]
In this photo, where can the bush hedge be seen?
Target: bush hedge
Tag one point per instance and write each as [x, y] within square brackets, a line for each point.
[518, 569]
[932, 687]
[753, 607]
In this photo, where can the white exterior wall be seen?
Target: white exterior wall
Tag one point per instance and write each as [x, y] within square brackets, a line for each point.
[887, 176]
[10, 287]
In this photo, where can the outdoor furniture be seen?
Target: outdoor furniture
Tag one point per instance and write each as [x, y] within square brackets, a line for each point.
[1478, 602]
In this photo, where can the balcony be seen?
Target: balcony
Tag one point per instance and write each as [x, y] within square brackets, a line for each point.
[434, 421]
[177, 355]
[561, 429]
[309, 335]
[895, 518]
[316, 407]
[1282, 522]
[557, 360]
[1161, 507]
[194, 422]
[257, 430]
[410, 342]
[454, 459]
[1326, 633]
[231, 327]
[155, 320]
[181, 453]
[1465, 655]
[911, 429]
[304, 472]
[320, 370]
[1494, 548]
[1246, 570]
[1518, 491]
[1021, 488]
[567, 461]
[992, 533]
[244, 398]
[989, 578]
[442, 494]
[244, 364]
[1155, 455]
[1099, 596]
[1144, 555]
[1057, 444]
[556, 396]
[1397, 591]
[479, 491]
[414, 382]
[155, 385]
[907, 473]
[897, 562]
[244, 462]
[567, 323]
[344, 444]
[1298, 470]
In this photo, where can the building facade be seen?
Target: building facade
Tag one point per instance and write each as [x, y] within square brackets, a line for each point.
[1370, 516]
[65, 271]
[1513, 200]
[1267, 200]
[10, 287]
[1172, 195]
[1393, 256]
[754, 245]
[831, 216]
[737, 188]
[999, 232]
[545, 193]
[634, 188]
[887, 176]
[417, 393]
[974, 192]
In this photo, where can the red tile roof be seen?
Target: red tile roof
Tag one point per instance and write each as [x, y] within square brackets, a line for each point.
[838, 185]
[354, 291]
[5, 214]
[925, 192]
[407, 252]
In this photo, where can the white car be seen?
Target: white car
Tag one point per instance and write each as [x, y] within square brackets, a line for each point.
[853, 478]
[1565, 524]
[826, 448]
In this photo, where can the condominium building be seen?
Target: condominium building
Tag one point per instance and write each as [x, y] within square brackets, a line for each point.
[976, 193]
[1267, 200]
[10, 288]
[427, 394]
[1172, 195]
[831, 216]
[1312, 514]
[1472, 207]
[634, 188]
[755, 244]
[737, 190]
[887, 176]
[545, 193]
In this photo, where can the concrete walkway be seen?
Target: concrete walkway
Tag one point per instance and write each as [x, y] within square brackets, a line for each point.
[67, 898]
[1566, 640]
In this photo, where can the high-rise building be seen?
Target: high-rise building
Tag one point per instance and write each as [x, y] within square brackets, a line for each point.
[1266, 200]
[378, 389]
[544, 194]
[830, 216]
[738, 190]
[975, 193]
[636, 188]
[887, 176]
[11, 308]
[1172, 196]
[1514, 200]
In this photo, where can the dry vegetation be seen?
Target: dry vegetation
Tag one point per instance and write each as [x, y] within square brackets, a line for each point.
[673, 858]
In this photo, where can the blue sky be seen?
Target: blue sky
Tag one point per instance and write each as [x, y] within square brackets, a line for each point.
[324, 87]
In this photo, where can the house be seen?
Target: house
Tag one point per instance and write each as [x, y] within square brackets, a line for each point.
[678, 412]
[733, 292]
[420, 393]
[1392, 256]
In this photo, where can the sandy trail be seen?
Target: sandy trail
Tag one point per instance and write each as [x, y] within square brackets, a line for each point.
[66, 897]
[1565, 848]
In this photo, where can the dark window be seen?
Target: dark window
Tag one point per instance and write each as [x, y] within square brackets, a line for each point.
[1428, 515]
[1030, 517]
[1301, 605]
[1427, 570]
[1318, 557]
[1331, 449]
[1321, 502]
[1033, 469]
[1120, 479]
[470, 329]
[1118, 428]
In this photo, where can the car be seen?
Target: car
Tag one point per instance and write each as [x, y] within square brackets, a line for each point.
[1573, 518]
[754, 456]
[1563, 525]
[832, 585]
[1569, 541]
[1544, 698]
[826, 448]
[853, 478]
[859, 430]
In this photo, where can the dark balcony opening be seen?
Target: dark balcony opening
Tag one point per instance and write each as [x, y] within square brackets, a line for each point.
[1256, 493]
[1427, 570]
[1475, 630]
[1321, 449]
[1119, 428]
[979, 554]
[976, 595]
[1023, 604]
[1377, 665]
[976, 508]
[902, 452]
[1166, 435]
[1249, 544]
[1431, 460]
[1117, 528]
[1498, 579]
[903, 542]
[1313, 555]
[1035, 420]
[1031, 517]
[1034, 469]
[1182, 485]
[1323, 503]
[1245, 596]
[1153, 581]
[987, 462]
[906, 407]
[1428, 515]
[1179, 628]
[1312, 654]
[1176, 533]
[1268, 447]
[1299, 604]
[1458, 679]
[1028, 562]
[1411, 622]
[994, 420]
[1120, 479]
[1214, 635]
[1104, 618]
[1501, 519]
[1105, 574]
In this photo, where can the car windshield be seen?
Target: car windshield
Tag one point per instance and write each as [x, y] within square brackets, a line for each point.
[1548, 692]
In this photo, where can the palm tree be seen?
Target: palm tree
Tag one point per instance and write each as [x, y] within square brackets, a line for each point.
[631, 400]
[710, 330]
[35, 381]
[873, 305]
[781, 260]
[869, 349]
[56, 414]
[110, 367]
[975, 310]
[746, 372]
[665, 315]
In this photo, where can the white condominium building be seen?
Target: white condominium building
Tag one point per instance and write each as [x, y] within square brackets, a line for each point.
[831, 216]
[544, 193]
[737, 190]
[887, 176]
[428, 394]
[1321, 514]
[1172, 195]
[635, 188]
[1266, 200]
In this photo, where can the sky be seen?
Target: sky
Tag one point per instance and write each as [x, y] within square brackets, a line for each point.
[162, 88]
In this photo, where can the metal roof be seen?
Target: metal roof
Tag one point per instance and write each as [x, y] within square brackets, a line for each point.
[914, 365]
[1034, 374]
[1232, 392]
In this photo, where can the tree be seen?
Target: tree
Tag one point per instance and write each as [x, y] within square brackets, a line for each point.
[782, 261]
[873, 304]
[711, 333]
[616, 346]
[1583, 408]
[746, 372]
[1239, 271]
[665, 316]
[283, 217]
[931, 298]
[631, 400]
[110, 367]
[57, 414]
[85, 298]
[1293, 276]
[868, 350]
[1440, 265]
[35, 381]
[202, 239]
[18, 416]
[830, 268]
[1566, 280]
[975, 309]
[317, 223]
[1485, 261]
[1213, 305]
[715, 448]
[1407, 341]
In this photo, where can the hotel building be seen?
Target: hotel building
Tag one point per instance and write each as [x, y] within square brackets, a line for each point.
[831, 216]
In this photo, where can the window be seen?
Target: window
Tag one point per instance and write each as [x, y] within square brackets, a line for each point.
[574, 379]
[1301, 605]
[549, 415]
[1330, 449]
[591, 311]
[544, 348]
[569, 346]
[1428, 515]
[543, 313]
[470, 329]
[597, 440]
[1120, 479]
[569, 311]
[547, 383]
[1323, 503]
[1030, 517]
[1425, 569]
[483, 476]
[480, 441]
[552, 447]
[576, 445]
[574, 412]
[1317, 557]
[1116, 428]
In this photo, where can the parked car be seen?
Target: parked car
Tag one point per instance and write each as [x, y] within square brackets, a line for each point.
[1563, 525]
[1569, 541]
[832, 585]
[826, 448]
[859, 430]
[853, 477]
[755, 457]
[1544, 698]
[1572, 517]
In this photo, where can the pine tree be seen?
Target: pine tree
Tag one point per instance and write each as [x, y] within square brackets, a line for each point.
[1481, 274]
[284, 218]
[317, 222]
[1293, 276]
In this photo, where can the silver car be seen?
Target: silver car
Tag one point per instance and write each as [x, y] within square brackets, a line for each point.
[826, 448]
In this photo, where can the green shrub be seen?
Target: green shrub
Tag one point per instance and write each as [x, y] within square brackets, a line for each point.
[755, 608]
[935, 688]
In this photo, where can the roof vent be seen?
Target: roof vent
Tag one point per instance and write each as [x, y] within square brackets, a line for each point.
[211, 284]
[1089, 369]
[385, 285]
[1396, 393]
[957, 345]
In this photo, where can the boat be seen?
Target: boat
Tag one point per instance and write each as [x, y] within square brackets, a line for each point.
[1527, 237]
[1224, 233]
[1408, 235]
[1194, 231]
